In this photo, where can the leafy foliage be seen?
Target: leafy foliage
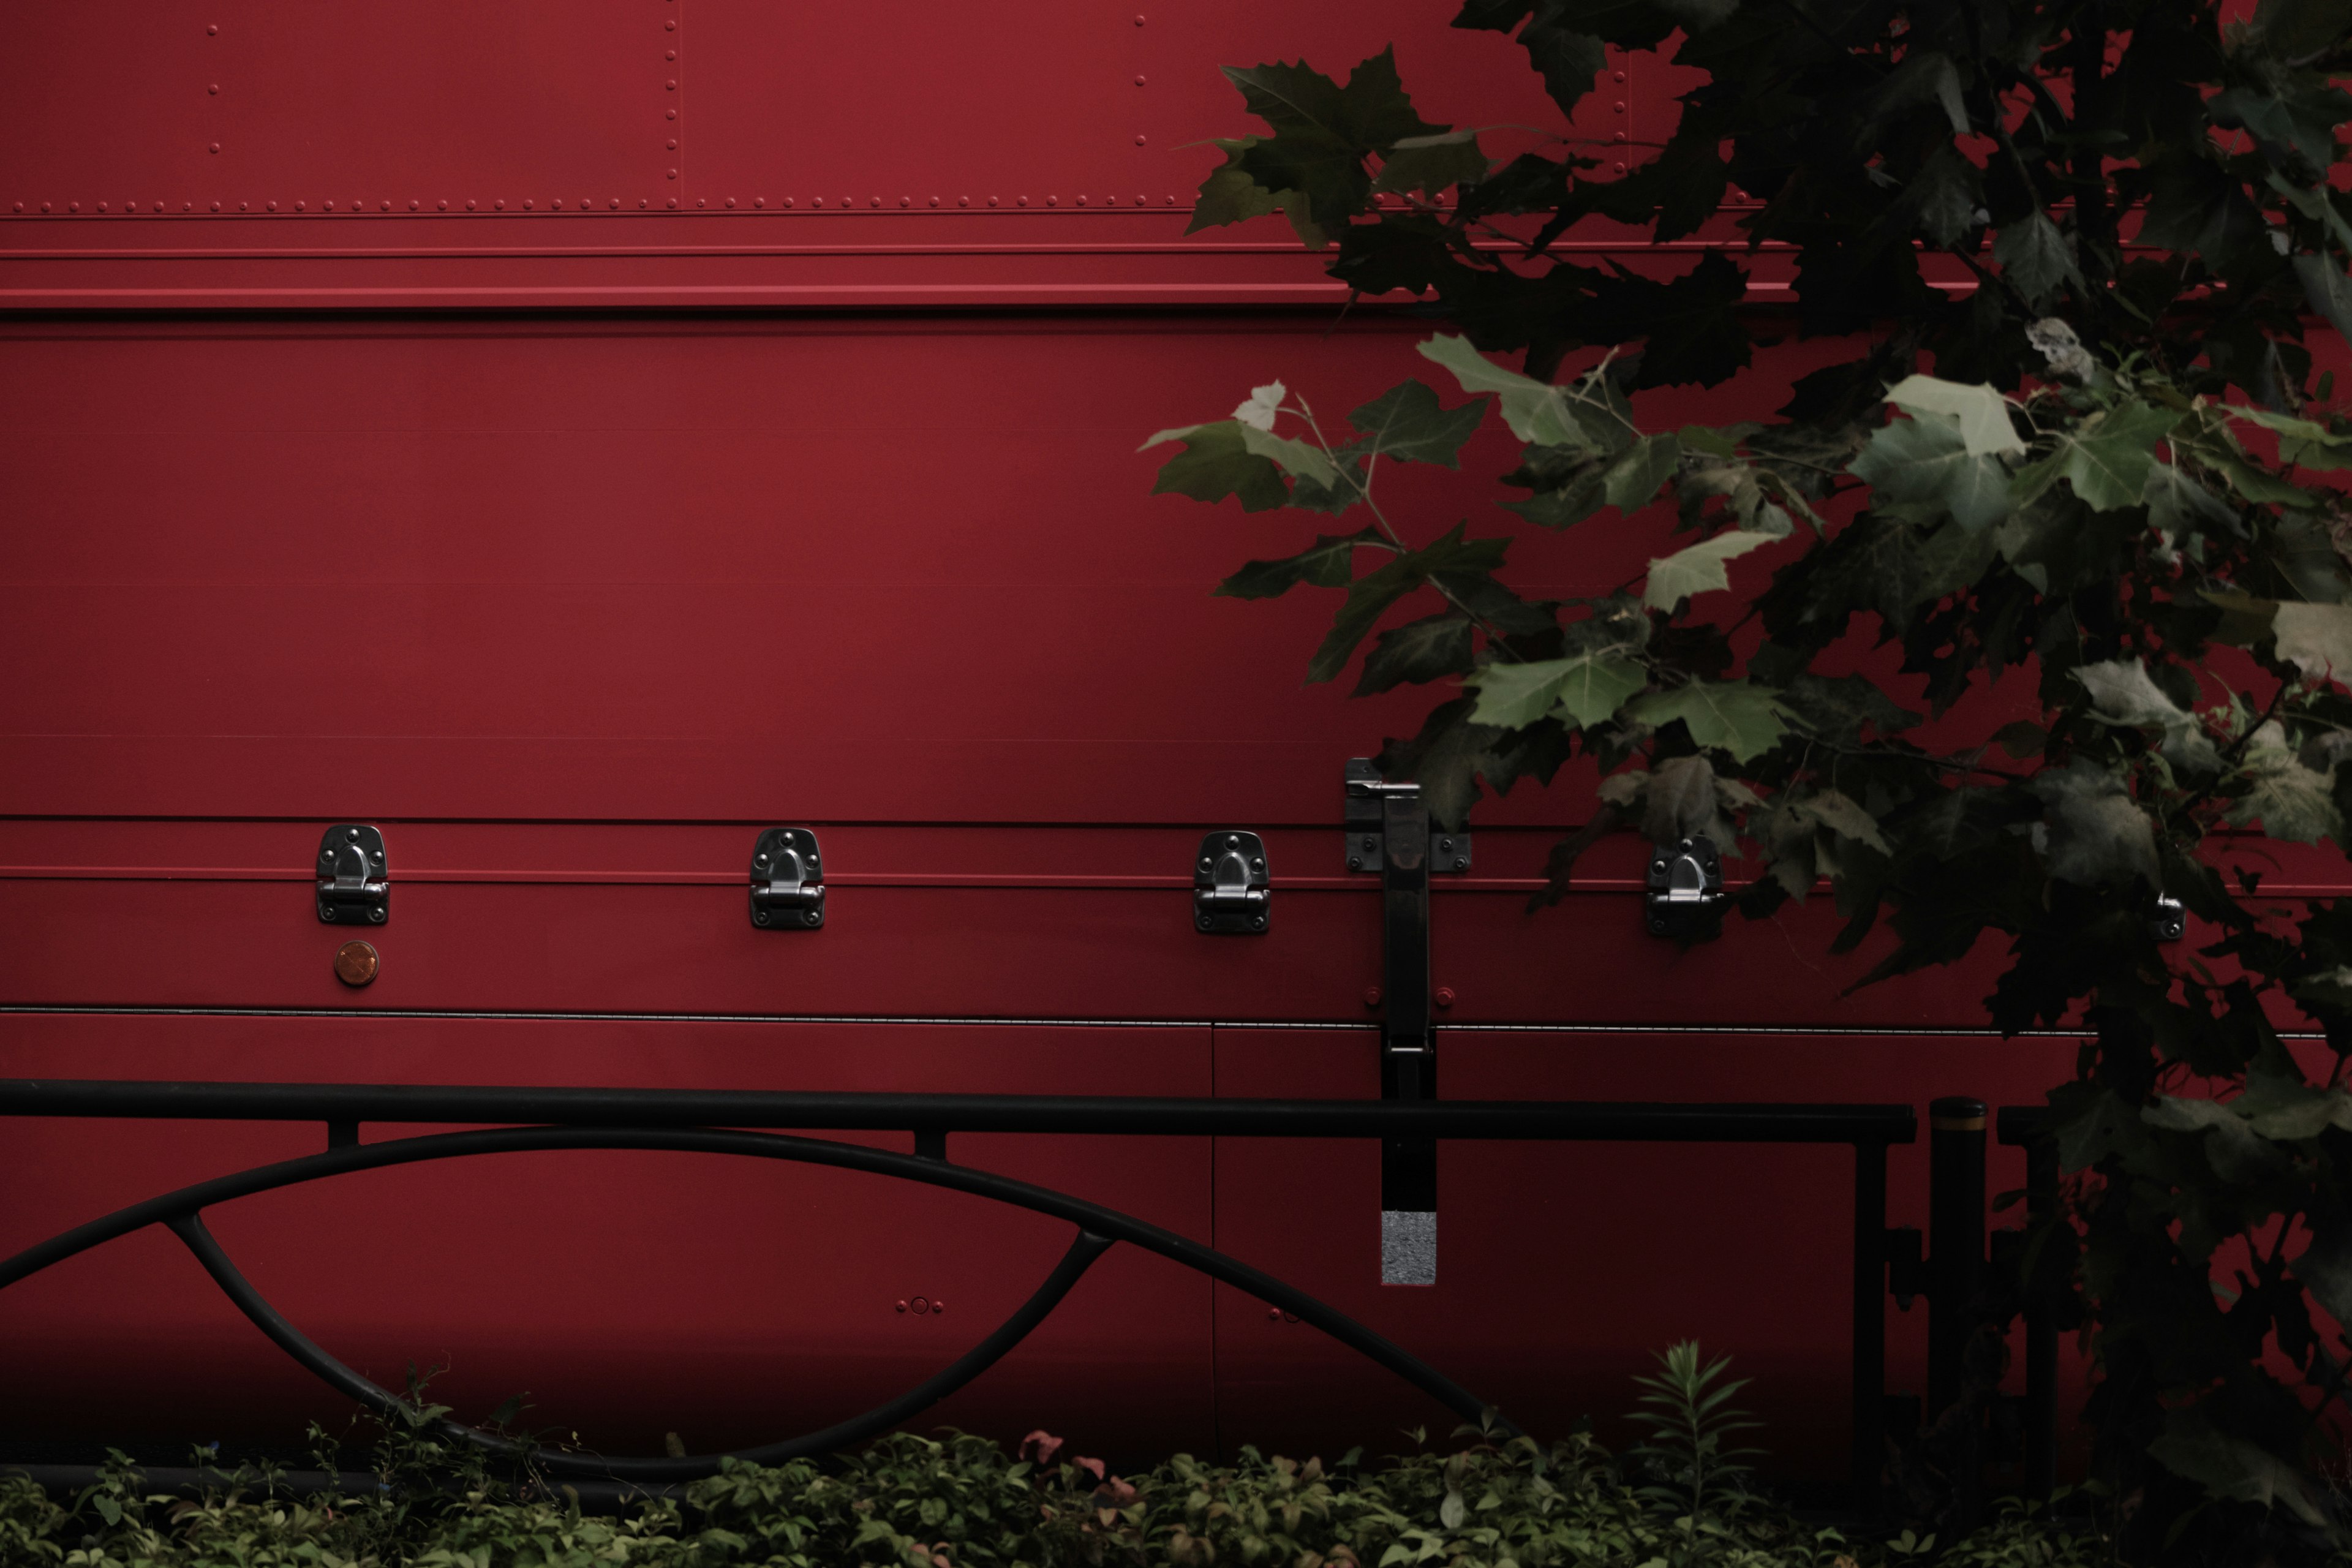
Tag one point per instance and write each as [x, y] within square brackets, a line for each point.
[2075, 246]
[909, 1501]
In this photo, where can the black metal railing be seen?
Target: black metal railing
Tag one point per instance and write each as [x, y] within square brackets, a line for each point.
[740, 1123]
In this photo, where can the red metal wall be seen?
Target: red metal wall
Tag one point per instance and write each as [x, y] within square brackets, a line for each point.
[643, 495]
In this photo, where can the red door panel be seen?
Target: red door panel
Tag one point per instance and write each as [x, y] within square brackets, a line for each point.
[1562, 1267]
[630, 1294]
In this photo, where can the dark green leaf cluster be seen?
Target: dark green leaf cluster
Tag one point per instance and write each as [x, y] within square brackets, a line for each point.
[2076, 475]
[909, 1501]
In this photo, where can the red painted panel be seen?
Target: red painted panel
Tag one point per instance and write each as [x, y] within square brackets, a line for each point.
[691, 153]
[1560, 1268]
[730, 1301]
[262, 104]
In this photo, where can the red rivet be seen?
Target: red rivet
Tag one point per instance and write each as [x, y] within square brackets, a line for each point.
[214, 88]
[1053, 201]
[501, 204]
[1141, 201]
[1274, 1314]
[1619, 137]
[730, 201]
[671, 55]
[963, 201]
[672, 143]
[816, 201]
[1082, 201]
[673, 173]
[526, 203]
[470, 205]
[1139, 141]
[216, 207]
[643, 201]
[1444, 997]
[76, 207]
[702, 201]
[1620, 106]
[45, 207]
[673, 201]
[673, 114]
[919, 1304]
[1371, 995]
[1139, 81]
[215, 146]
[243, 205]
[1621, 168]
[938, 1305]
[874, 202]
[273, 206]
[387, 205]
[902, 1306]
[759, 201]
[1139, 18]
[211, 31]
[788, 201]
[330, 206]
[670, 26]
[991, 202]
[101, 207]
[617, 204]
[672, 85]
[301, 207]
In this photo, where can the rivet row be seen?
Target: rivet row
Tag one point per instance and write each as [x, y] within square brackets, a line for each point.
[585, 203]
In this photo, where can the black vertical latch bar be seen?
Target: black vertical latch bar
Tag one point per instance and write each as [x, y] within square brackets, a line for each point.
[1869, 1325]
[1956, 1269]
[2041, 1318]
[1408, 1057]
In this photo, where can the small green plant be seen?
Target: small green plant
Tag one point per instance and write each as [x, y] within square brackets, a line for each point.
[1687, 1409]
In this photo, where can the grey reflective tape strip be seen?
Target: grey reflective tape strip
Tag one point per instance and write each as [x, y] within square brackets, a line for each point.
[1408, 1247]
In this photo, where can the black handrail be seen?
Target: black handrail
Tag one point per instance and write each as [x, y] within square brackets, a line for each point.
[716, 1122]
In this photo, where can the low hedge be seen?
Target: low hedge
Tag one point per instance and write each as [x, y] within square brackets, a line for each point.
[964, 1502]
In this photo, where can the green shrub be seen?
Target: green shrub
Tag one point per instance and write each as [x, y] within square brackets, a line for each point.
[1682, 1500]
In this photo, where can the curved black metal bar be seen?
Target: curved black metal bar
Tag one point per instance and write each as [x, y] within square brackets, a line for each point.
[1084, 1250]
[169, 1208]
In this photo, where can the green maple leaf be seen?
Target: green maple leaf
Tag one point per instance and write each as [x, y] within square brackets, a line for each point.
[1590, 686]
[1536, 411]
[1406, 422]
[1230, 195]
[1927, 462]
[1432, 163]
[1330, 563]
[1980, 414]
[1699, 569]
[1733, 716]
[2096, 834]
[1373, 592]
[2109, 459]
[1628, 483]
[2034, 256]
[1217, 462]
[2290, 801]
[2317, 640]
[1418, 651]
[1323, 133]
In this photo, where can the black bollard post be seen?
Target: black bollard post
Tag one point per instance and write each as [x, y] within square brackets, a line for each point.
[1956, 1267]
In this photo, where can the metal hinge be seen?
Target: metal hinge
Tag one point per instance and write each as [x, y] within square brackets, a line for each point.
[2170, 920]
[1686, 878]
[787, 880]
[1367, 850]
[1231, 894]
[354, 887]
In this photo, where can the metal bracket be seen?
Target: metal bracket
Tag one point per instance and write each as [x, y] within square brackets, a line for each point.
[2169, 922]
[354, 885]
[1367, 841]
[787, 880]
[1231, 894]
[1686, 878]
[1388, 831]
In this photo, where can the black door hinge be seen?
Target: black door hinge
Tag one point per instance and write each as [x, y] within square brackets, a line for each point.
[354, 883]
[787, 880]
